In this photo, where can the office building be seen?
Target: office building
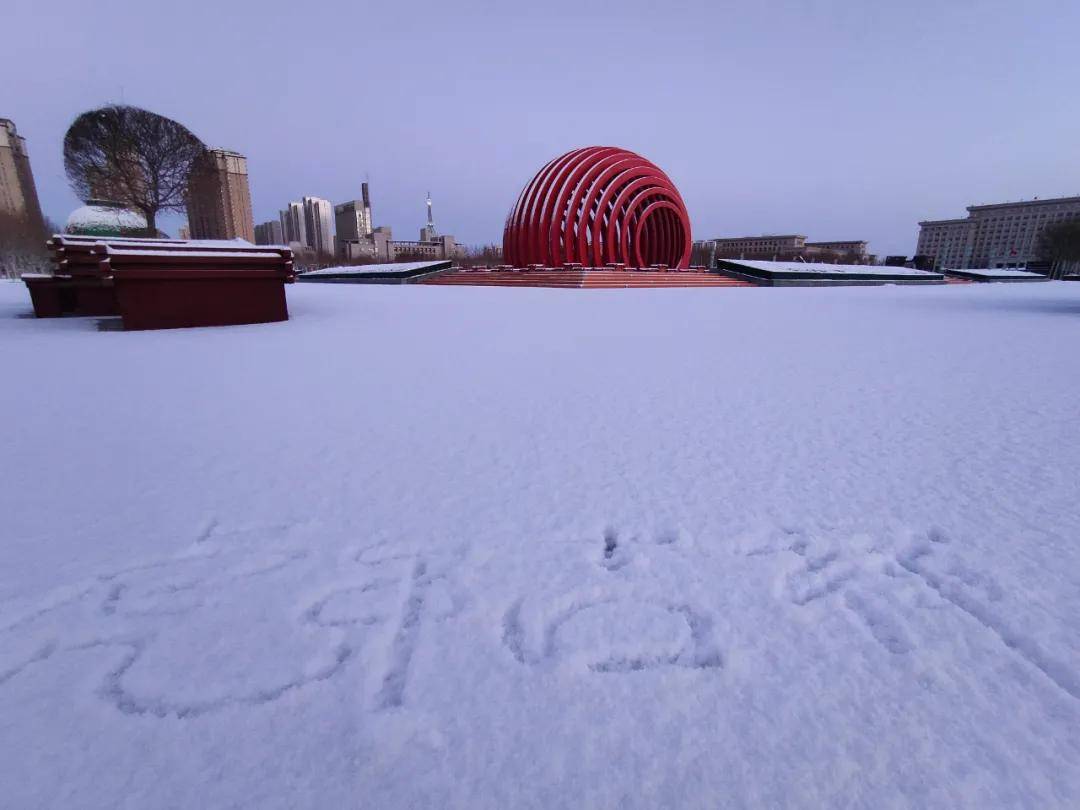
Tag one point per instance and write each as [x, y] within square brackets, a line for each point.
[856, 249]
[785, 246]
[378, 245]
[219, 200]
[352, 219]
[269, 233]
[18, 193]
[441, 247]
[1000, 235]
[764, 245]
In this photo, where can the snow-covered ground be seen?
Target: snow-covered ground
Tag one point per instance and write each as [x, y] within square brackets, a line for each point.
[492, 548]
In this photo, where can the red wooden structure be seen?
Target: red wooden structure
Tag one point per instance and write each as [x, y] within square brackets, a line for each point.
[165, 289]
[51, 296]
[161, 283]
[597, 206]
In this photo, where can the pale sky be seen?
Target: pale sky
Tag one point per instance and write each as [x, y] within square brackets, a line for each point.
[849, 119]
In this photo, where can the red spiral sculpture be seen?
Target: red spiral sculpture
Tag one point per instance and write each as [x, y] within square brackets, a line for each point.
[596, 206]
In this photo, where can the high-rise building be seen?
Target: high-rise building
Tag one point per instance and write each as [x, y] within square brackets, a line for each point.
[993, 236]
[219, 200]
[352, 221]
[269, 233]
[293, 228]
[319, 222]
[18, 194]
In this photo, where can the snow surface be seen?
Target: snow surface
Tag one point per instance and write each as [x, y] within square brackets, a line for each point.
[365, 269]
[492, 548]
[821, 267]
[998, 272]
[133, 241]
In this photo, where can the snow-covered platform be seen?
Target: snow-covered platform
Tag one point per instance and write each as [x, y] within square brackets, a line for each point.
[487, 548]
[816, 274]
[392, 273]
[582, 278]
[997, 275]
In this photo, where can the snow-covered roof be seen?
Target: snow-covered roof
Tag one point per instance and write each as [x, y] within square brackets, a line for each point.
[219, 243]
[819, 268]
[135, 241]
[379, 269]
[101, 220]
[195, 254]
[81, 238]
[998, 272]
[138, 241]
[225, 242]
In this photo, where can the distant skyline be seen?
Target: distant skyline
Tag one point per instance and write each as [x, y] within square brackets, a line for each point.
[838, 120]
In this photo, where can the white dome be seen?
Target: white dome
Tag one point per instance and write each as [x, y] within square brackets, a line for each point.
[105, 220]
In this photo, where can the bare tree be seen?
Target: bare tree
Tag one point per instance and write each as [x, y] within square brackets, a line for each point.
[702, 254]
[303, 256]
[358, 260]
[1060, 243]
[22, 246]
[479, 256]
[402, 255]
[131, 156]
